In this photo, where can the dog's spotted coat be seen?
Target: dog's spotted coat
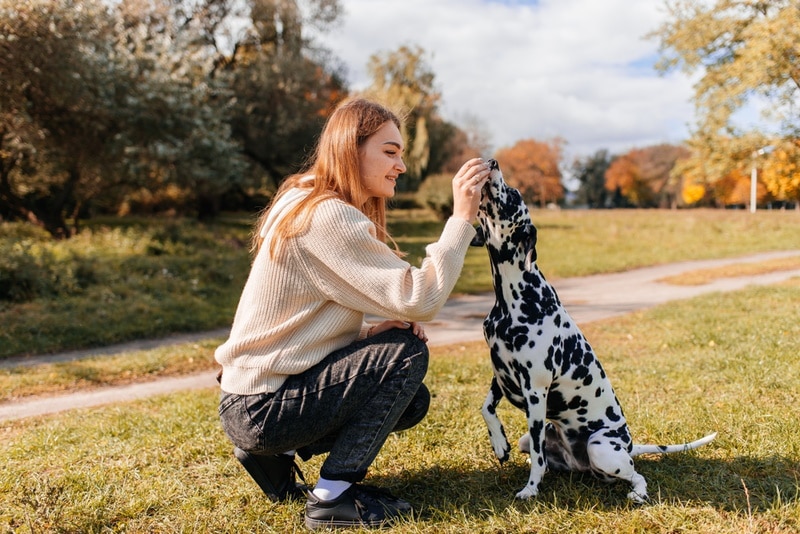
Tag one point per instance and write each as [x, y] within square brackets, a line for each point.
[544, 366]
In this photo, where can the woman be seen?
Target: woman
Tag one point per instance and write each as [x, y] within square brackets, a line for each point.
[302, 372]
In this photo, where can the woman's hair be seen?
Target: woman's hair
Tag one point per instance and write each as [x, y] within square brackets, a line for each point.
[335, 166]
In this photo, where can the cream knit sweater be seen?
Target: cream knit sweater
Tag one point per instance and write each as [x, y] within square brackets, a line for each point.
[310, 300]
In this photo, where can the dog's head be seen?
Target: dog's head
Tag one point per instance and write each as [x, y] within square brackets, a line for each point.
[505, 223]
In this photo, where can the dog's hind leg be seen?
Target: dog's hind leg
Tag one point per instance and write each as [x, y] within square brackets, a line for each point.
[497, 434]
[609, 459]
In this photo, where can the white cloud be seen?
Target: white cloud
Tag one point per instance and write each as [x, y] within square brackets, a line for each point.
[576, 69]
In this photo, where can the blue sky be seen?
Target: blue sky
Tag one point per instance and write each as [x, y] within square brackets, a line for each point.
[576, 69]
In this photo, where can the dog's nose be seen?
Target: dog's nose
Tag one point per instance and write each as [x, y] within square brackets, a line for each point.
[492, 163]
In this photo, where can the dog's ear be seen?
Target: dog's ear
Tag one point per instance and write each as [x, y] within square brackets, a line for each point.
[530, 245]
[479, 240]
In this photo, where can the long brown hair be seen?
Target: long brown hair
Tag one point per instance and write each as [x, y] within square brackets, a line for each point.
[335, 165]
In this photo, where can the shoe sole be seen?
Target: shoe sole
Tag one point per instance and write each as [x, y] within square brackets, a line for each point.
[314, 524]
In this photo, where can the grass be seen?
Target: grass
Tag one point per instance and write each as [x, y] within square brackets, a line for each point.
[121, 280]
[125, 279]
[704, 276]
[723, 362]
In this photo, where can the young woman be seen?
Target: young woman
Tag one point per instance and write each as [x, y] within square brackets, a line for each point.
[302, 372]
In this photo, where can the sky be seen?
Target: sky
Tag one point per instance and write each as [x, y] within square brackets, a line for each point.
[581, 70]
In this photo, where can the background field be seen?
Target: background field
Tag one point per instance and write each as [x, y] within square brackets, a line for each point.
[133, 278]
[723, 362]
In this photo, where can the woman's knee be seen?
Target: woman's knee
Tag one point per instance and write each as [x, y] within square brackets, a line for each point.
[414, 350]
[416, 410]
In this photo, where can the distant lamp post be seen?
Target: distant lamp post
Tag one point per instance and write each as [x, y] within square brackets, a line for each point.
[754, 175]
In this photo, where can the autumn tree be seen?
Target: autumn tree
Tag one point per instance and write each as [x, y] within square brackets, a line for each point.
[470, 139]
[645, 177]
[780, 173]
[533, 167]
[742, 49]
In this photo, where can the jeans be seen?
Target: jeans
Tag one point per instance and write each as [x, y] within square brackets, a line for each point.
[345, 405]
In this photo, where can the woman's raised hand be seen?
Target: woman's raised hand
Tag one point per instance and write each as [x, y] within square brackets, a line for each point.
[467, 185]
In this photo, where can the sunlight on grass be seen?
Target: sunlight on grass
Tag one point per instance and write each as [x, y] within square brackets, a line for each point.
[124, 368]
[722, 362]
[704, 276]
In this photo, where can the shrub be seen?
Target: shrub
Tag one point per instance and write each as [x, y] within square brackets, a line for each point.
[436, 192]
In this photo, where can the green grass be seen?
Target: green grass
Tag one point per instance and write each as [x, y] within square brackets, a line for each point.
[722, 362]
[584, 242]
[121, 280]
[125, 279]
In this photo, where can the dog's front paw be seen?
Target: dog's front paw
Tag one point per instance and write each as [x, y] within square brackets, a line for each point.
[528, 492]
[637, 498]
[502, 449]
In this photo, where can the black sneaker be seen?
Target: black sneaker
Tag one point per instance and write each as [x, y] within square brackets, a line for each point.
[274, 474]
[359, 506]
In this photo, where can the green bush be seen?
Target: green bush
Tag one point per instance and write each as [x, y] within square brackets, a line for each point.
[436, 193]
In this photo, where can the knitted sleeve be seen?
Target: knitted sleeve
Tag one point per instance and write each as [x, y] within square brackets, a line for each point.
[342, 255]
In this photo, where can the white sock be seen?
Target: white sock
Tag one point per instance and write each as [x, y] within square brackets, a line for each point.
[289, 453]
[330, 489]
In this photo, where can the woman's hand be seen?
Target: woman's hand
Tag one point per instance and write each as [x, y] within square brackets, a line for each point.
[387, 325]
[467, 185]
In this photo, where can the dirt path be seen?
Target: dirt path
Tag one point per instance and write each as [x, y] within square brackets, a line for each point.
[587, 299]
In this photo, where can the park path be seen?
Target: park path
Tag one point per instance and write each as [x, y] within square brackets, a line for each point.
[588, 298]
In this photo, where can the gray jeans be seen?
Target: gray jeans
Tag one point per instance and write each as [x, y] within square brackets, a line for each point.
[346, 405]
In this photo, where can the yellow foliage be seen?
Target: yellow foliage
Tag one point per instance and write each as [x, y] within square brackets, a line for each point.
[781, 172]
[693, 193]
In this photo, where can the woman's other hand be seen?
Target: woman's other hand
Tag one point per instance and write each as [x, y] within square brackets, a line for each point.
[387, 325]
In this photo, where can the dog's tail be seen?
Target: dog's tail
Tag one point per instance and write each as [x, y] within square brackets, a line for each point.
[669, 449]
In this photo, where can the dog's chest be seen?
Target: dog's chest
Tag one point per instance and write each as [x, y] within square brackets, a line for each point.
[526, 311]
[535, 345]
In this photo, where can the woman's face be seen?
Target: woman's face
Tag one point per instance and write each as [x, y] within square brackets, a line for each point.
[381, 158]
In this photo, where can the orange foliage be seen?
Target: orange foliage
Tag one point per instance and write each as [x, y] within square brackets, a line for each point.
[623, 174]
[734, 188]
[533, 167]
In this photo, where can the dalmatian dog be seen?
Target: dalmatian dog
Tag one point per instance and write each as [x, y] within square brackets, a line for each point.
[543, 364]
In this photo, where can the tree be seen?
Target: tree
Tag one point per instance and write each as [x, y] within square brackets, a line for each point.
[178, 132]
[533, 168]
[590, 173]
[282, 85]
[106, 100]
[780, 173]
[101, 101]
[645, 177]
[743, 49]
[57, 96]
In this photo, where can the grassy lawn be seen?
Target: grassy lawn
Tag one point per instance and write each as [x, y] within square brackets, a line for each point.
[723, 362]
[125, 279]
